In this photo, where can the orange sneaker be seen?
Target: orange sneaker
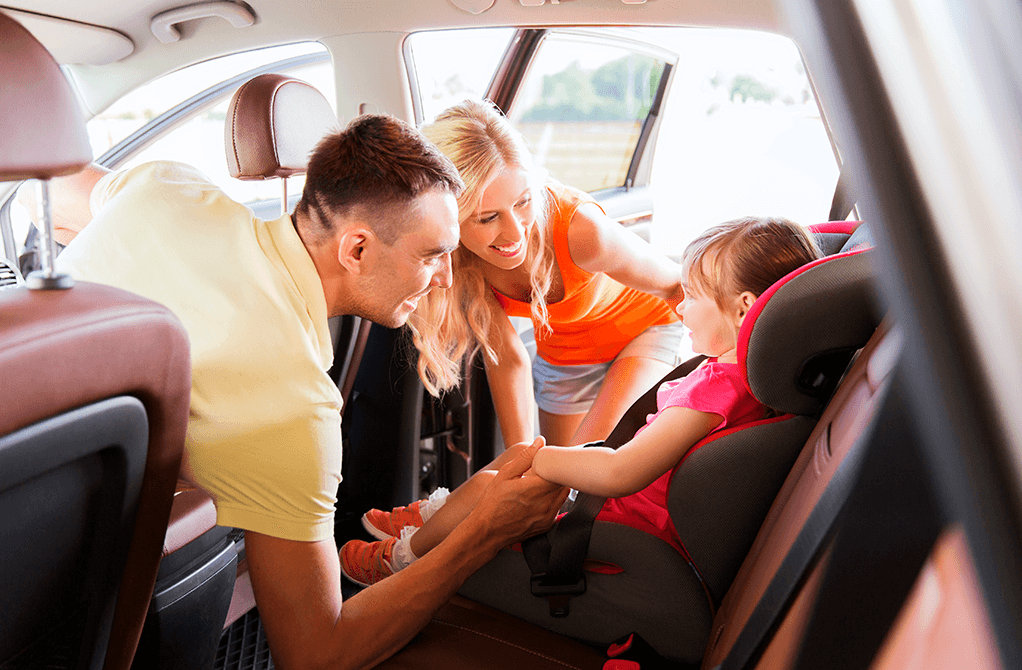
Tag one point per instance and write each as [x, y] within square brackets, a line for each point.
[366, 563]
[383, 525]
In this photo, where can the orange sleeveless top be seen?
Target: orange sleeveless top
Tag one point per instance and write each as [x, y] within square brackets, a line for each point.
[598, 316]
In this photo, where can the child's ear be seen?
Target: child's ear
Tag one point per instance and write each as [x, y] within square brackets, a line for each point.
[743, 305]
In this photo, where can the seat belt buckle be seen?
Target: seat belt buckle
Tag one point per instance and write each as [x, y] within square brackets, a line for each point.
[557, 594]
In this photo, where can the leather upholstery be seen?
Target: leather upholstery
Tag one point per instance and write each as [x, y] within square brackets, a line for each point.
[945, 623]
[42, 133]
[463, 633]
[193, 514]
[60, 350]
[273, 123]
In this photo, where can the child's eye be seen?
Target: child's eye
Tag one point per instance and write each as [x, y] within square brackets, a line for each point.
[524, 201]
[489, 218]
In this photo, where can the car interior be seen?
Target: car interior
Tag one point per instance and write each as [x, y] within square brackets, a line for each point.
[873, 523]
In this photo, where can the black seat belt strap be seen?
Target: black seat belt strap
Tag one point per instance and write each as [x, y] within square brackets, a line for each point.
[843, 202]
[556, 558]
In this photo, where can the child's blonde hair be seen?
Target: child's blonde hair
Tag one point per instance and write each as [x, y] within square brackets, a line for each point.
[450, 324]
[747, 254]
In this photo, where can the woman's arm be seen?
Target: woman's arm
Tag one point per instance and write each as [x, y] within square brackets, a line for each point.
[510, 379]
[633, 466]
[599, 244]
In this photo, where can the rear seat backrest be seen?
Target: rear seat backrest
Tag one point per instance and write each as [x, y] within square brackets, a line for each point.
[94, 391]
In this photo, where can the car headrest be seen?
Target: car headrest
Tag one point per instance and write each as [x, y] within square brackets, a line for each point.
[273, 124]
[800, 335]
[42, 131]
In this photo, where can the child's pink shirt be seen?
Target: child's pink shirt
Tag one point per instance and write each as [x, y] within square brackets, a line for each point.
[716, 388]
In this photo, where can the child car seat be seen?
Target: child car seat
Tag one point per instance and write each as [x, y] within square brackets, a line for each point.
[793, 347]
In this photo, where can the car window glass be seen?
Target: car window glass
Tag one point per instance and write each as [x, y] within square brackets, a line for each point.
[199, 141]
[454, 65]
[582, 106]
[742, 135]
[146, 102]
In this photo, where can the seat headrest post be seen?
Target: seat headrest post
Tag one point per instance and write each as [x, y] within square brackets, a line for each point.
[283, 196]
[46, 279]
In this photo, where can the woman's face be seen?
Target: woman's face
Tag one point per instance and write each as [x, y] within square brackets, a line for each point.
[498, 231]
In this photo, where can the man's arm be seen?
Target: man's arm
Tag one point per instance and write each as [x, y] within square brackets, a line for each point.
[297, 584]
[69, 201]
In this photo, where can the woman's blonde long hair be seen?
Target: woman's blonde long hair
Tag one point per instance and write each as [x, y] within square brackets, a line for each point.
[450, 324]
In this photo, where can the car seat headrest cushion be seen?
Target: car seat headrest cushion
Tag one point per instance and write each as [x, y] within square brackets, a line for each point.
[273, 124]
[832, 236]
[800, 335]
[42, 131]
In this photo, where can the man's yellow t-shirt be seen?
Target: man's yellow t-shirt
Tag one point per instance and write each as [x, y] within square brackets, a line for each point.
[264, 435]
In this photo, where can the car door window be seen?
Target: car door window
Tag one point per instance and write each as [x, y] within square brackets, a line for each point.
[742, 135]
[583, 104]
[198, 139]
[452, 65]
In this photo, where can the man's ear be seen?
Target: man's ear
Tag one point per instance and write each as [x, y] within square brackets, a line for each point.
[742, 306]
[352, 248]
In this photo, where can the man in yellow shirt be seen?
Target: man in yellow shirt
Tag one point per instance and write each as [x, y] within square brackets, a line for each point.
[371, 235]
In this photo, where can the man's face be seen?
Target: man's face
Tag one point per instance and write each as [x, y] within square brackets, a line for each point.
[419, 260]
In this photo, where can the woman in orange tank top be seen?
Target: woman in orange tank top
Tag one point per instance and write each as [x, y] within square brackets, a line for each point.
[535, 248]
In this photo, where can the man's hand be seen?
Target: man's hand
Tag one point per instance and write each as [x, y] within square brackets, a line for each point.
[518, 504]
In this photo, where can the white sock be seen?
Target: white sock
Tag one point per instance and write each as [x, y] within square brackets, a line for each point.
[436, 500]
[403, 556]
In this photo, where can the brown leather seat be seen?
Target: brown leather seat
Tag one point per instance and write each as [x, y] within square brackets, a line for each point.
[94, 385]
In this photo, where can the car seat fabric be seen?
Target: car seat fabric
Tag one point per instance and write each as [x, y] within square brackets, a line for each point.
[721, 490]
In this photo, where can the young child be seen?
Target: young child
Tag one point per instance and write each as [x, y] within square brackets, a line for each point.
[726, 269]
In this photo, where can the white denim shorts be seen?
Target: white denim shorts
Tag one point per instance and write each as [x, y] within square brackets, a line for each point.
[572, 389]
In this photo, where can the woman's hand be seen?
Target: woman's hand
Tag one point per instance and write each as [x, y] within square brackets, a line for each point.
[676, 297]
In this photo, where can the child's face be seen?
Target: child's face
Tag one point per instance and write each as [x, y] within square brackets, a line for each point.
[713, 331]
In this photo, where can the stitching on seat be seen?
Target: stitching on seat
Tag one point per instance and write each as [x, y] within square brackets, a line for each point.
[497, 639]
[234, 125]
[273, 120]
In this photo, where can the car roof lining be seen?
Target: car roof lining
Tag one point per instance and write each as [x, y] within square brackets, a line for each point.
[286, 22]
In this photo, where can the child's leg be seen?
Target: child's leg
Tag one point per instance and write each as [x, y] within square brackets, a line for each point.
[381, 524]
[458, 506]
[460, 503]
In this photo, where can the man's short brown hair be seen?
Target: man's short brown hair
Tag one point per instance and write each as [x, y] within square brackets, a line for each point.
[373, 168]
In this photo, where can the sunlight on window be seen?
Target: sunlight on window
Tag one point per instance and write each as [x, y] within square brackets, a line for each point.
[455, 65]
[148, 101]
